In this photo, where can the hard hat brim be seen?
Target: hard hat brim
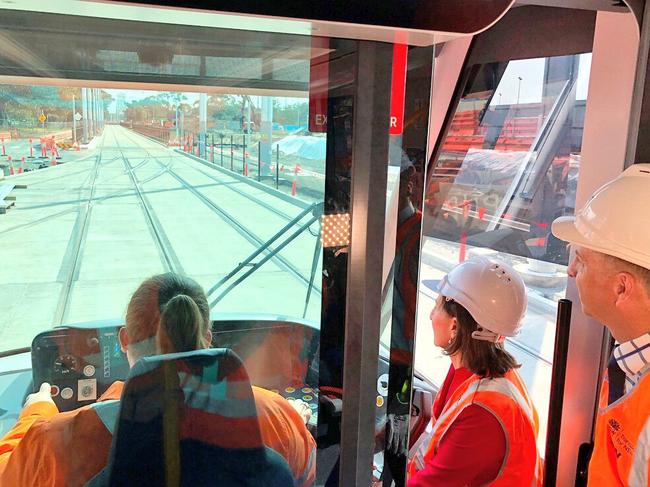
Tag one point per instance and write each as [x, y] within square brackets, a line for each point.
[565, 229]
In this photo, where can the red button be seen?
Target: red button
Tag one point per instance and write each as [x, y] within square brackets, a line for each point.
[54, 391]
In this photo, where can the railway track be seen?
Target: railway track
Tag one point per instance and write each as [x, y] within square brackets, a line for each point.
[121, 175]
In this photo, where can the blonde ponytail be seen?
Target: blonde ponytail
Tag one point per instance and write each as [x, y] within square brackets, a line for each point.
[170, 310]
[182, 327]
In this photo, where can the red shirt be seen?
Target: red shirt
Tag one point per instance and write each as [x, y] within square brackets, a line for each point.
[473, 449]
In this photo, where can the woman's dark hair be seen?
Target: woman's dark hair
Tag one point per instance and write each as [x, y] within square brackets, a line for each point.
[172, 308]
[481, 357]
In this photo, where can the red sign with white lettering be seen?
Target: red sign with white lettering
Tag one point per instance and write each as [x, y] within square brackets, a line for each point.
[398, 89]
[318, 84]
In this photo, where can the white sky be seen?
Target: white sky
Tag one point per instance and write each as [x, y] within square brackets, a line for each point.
[531, 72]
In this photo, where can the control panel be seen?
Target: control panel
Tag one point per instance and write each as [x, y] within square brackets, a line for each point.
[307, 394]
[79, 363]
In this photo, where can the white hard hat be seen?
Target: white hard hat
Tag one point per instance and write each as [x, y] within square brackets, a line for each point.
[493, 293]
[615, 221]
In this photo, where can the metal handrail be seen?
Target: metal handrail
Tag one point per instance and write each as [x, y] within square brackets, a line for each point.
[558, 379]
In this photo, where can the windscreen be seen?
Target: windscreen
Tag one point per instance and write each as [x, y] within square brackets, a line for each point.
[184, 149]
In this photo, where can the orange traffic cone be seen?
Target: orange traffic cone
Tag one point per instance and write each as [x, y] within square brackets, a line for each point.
[294, 188]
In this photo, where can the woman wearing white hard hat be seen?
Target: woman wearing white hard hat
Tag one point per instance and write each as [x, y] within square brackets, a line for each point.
[484, 426]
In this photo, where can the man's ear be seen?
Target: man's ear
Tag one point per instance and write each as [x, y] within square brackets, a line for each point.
[124, 339]
[208, 337]
[625, 287]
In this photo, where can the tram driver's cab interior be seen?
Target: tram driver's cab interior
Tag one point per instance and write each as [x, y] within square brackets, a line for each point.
[81, 361]
[319, 172]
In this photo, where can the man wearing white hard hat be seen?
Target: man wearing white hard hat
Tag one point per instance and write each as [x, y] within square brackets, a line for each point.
[484, 426]
[610, 236]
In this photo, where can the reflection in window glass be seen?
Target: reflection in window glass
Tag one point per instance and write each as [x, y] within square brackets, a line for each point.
[507, 167]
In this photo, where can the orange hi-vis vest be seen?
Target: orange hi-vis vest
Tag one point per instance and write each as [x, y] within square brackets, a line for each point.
[51, 449]
[507, 399]
[621, 453]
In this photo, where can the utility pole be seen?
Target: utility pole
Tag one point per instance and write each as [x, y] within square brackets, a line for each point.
[203, 122]
[74, 121]
[84, 108]
[517, 110]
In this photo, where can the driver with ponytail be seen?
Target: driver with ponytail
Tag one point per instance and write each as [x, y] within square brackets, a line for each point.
[170, 313]
[167, 313]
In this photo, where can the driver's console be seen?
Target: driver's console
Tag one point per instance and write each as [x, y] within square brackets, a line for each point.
[82, 362]
[79, 363]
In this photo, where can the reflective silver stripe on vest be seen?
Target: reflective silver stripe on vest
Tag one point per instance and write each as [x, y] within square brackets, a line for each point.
[421, 446]
[639, 471]
[507, 388]
[500, 385]
[305, 473]
[108, 412]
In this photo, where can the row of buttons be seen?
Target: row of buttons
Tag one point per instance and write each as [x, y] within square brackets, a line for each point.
[66, 393]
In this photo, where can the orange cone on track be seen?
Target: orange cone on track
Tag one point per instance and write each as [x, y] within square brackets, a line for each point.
[11, 166]
[294, 188]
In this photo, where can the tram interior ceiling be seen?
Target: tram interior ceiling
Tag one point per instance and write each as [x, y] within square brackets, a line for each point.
[143, 52]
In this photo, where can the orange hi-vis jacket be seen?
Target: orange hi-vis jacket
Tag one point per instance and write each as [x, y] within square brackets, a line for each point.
[621, 455]
[507, 399]
[51, 449]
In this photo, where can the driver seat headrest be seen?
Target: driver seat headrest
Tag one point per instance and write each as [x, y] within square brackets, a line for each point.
[190, 419]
